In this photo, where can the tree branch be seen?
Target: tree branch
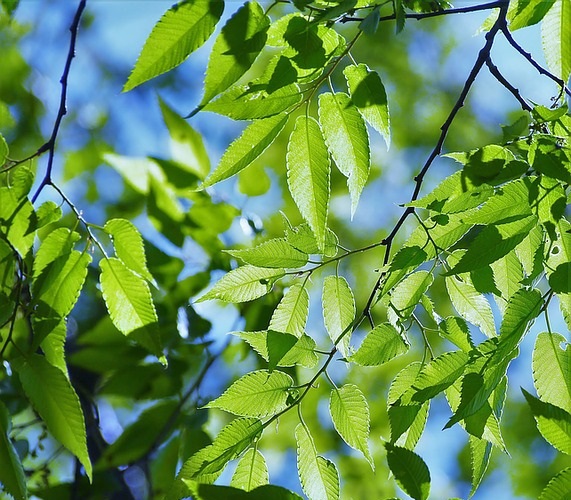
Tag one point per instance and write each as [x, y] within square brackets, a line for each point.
[49, 146]
[515, 92]
[533, 62]
[483, 55]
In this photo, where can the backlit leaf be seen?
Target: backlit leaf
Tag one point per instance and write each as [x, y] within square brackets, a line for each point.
[130, 305]
[256, 394]
[318, 476]
[524, 13]
[55, 400]
[181, 30]
[272, 253]
[368, 94]
[338, 310]
[558, 487]
[244, 284]
[551, 365]
[11, 471]
[308, 171]
[350, 414]
[235, 49]
[381, 344]
[255, 139]
[290, 315]
[251, 471]
[406, 295]
[347, 139]
[555, 35]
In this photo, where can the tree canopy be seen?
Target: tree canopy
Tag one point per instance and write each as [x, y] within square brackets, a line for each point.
[345, 272]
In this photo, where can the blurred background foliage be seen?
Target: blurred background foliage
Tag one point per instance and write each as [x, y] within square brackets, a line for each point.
[143, 419]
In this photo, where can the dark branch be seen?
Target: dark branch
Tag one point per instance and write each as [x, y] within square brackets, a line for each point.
[49, 146]
[438, 13]
[500, 78]
[483, 55]
[533, 62]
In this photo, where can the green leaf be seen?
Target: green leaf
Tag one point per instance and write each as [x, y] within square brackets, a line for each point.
[255, 100]
[180, 31]
[207, 464]
[410, 471]
[251, 471]
[350, 415]
[130, 305]
[290, 315]
[471, 305]
[524, 13]
[549, 156]
[17, 220]
[318, 476]
[186, 144]
[407, 419]
[53, 397]
[456, 331]
[493, 242]
[480, 453]
[553, 422]
[12, 475]
[3, 150]
[509, 201]
[235, 49]
[338, 310]
[347, 139]
[272, 253]
[558, 487]
[256, 394]
[216, 492]
[47, 213]
[406, 295]
[278, 345]
[555, 35]
[255, 139]
[302, 238]
[439, 374]
[308, 172]
[381, 344]
[508, 275]
[129, 246]
[551, 366]
[302, 353]
[244, 284]
[368, 94]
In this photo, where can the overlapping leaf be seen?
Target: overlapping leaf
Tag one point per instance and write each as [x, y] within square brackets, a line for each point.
[251, 471]
[11, 471]
[181, 30]
[308, 171]
[272, 253]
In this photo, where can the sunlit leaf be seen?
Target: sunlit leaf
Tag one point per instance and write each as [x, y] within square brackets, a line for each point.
[130, 305]
[272, 253]
[350, 414]
[255, 139]
[551, 366]
[308, 171]
[318, 476]
[53, 397]
[381, 344]
[244, 284]
[368, 94]
[338, 310]
[235, 49]
[558, 487]
[406, 295]
[182, 29]
[251, 471]
[347, 139]
[480, 452]
[524, 13]
[555, 35]
[256, 394]
[290, 315]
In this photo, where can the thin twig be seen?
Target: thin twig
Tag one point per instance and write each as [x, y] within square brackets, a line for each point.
[425, 15]
[541, 70]
[480, 61]
[500, 78]
[49, 146]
